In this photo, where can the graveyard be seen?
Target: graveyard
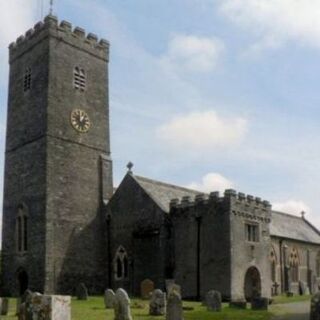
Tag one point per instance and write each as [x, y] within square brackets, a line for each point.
[94, 309]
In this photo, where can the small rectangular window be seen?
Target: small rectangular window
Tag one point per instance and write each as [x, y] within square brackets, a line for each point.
[27, 80]
[252, 232]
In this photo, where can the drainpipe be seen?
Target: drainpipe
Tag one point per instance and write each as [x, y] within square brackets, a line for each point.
[109, 250]
[198, 219]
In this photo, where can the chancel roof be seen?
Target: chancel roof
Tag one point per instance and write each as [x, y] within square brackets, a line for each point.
[292, 227]
[162, 193]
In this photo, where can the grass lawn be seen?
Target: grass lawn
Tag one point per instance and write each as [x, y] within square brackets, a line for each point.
[296, 298]
[93, 309]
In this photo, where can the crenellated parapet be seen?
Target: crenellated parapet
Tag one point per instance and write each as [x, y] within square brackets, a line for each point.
[62, 31]
[237, 204]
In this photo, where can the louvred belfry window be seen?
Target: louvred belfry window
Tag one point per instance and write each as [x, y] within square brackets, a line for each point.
[79, 79]
[27, 80]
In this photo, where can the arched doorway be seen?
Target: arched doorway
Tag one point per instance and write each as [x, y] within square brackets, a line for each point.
[23, 281]
[252, 283]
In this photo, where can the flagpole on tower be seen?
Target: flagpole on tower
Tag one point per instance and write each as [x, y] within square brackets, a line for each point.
[51, 7]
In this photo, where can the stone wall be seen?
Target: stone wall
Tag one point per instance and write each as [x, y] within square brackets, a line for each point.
[138, 225]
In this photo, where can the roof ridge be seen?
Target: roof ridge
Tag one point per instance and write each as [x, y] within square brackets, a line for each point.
[287, 214]
[167, 184]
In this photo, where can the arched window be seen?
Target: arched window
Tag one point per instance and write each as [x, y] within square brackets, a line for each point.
[121, 265]
[22, 228]
[273, 263]
[318, 265]
[294, 265]
[27, 80]
[79, 79]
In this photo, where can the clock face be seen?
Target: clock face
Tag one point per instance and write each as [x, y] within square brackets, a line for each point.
[80, 120]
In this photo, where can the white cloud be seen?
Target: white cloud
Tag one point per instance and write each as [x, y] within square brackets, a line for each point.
[276, 21]
[291, 206]
[15, 18]
[193, 53]
[202, 131]
[212, 182]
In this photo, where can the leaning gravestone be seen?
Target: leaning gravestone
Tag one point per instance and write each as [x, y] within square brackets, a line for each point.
[4, 306]
[82, 292]
[259, 303]
[109, 298]
[315, 307]
[157, 306]
[213, 300]
[122, 305]
[174, 306]
[146, 288]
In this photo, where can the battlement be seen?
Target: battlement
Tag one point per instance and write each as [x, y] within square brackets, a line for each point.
[63, 32]
[229, 195]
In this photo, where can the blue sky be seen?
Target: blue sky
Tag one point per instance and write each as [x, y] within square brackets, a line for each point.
[210, 94]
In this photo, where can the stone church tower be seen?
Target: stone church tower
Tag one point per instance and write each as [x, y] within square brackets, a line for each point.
[58, 170]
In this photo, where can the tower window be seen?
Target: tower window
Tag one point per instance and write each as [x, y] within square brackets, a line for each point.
[27, 80]
[22, 229]
[121, 266]
[252, 232]
[79, 79]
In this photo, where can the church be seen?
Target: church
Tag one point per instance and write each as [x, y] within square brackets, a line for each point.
[64, 223]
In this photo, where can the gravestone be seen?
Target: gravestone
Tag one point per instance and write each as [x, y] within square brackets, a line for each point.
[157, 306]
[174, 306]
[315, 307]
[259, 303]
[172, 286]
[82, 292]
[31, 301]
[169, 283]
[213, 300]
[51, 307]
[122, 305]
[146, 288]
[109, 298]
[4, 306]
[303, 288]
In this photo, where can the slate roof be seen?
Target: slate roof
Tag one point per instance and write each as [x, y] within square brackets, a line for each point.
[283, 225]
[292, 227]
[162, 193]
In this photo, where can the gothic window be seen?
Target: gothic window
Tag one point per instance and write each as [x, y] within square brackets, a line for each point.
[273, 263]
[294, 265]
[79, 79]
[121, 266]
[318, 265]
[252, 232]
[22, 228]
[27, 80]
